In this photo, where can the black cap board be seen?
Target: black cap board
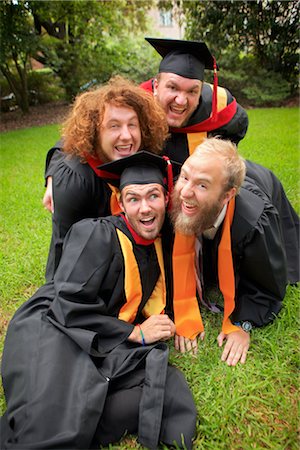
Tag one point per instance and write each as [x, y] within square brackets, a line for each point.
[141, 168]
[185, 58]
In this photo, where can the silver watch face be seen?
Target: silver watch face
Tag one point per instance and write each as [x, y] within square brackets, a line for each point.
[247, 326]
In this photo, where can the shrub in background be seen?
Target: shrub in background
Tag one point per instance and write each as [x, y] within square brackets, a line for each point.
[43, 86]
[252, 84]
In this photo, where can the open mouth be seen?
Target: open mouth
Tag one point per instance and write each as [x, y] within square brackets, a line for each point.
[124, 150]
[147, 222]
[176, 110]
[188, 208]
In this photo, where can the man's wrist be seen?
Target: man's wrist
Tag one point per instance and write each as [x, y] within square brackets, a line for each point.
[245, 325]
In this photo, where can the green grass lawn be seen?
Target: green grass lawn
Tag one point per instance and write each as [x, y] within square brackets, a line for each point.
[251, 406]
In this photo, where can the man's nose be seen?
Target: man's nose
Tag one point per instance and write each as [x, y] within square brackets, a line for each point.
[145, 207]
[125, 132]
[187, 191]
[181, 99]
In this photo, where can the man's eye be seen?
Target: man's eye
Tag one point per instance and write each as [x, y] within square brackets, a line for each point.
[153, 196]
[132, 200]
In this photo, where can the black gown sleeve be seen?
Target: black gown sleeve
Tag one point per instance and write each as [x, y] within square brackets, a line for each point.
[261, 271]
[53, 157]
[77, 194]
[289, 219]
[88, 287]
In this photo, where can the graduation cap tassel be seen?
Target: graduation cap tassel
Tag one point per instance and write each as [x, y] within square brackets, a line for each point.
[169, 178]
[215, 93]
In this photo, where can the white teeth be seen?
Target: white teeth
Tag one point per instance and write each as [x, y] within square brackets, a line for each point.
[177, 110]
[188, 205]
[123, 147]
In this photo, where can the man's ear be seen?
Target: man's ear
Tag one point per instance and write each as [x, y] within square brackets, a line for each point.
[229, 195]
[121, 204]
[167, 198]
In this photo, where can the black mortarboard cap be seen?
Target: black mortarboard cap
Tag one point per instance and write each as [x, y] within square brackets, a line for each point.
[185, 58]
[141, 168]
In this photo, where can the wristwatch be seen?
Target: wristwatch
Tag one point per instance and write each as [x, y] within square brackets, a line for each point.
[245, 325]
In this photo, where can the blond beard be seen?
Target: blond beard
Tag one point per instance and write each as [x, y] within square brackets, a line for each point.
[197, 224]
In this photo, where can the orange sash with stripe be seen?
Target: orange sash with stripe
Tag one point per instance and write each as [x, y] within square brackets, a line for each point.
[226, 270]
[195, 139]
[186, 308]
[132, 283]
[114, 200]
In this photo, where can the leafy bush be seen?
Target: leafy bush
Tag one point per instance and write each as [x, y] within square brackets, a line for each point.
[252, 84]
[43, 87]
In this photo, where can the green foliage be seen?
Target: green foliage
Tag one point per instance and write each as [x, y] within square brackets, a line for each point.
[129, 56]
[251, 406]
[18, 41]
[250, 83]
[88, 40]
[267, 29]
[79, 40]
[43, 87]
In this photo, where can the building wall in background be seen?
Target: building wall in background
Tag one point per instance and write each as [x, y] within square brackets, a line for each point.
[164, 24]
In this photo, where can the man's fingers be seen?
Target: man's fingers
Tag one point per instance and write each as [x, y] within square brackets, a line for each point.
[236, 348]
[184, 344]
[225, 352]
[188, 344]
[244, 355]
[221, 338]
[195, 345]
[176, 342]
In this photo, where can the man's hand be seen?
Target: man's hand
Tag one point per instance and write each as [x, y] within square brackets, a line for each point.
[156, 328]
[183, 344]
[236, 347]
[48, 196]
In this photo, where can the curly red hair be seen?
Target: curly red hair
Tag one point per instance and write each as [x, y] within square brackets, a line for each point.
[85, 118]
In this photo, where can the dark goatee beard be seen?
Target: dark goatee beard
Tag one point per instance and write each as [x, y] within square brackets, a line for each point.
[205, 218]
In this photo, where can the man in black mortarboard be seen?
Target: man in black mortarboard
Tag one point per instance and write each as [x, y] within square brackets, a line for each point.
[193, 107]
[77, 353]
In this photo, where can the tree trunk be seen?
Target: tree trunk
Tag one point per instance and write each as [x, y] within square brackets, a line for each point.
[18, 88]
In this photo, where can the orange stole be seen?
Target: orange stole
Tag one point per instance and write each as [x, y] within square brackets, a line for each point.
[132, 283]
[195, 139]
[114, 200]
[226, 270]
[186, 308]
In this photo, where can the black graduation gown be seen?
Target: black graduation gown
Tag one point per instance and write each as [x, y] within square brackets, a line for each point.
[78, 193]
[289, 220]
[66, 350]
[259, 257]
